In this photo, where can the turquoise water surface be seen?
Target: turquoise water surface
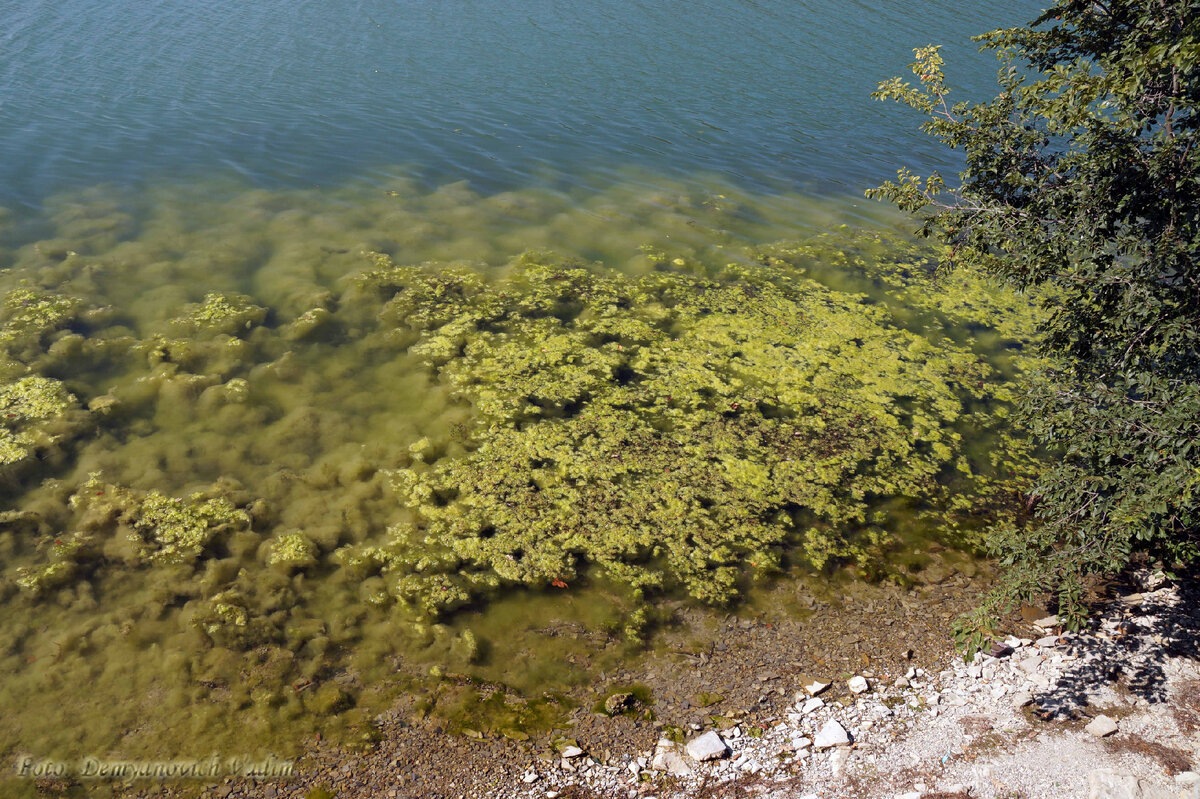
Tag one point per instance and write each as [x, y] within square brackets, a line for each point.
[295, 94]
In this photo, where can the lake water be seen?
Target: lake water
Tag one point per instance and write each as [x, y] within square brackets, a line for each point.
[208, 415]
[771, 93]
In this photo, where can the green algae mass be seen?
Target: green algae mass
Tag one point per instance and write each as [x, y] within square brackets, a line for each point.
[220, 313]
[172, 529]
[259, 477]
[292, 550]
[27, 405]
[117, 525]
[672, 431]
[37, 412]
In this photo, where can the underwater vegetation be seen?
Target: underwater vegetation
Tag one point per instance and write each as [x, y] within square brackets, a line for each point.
[670, 430]
[259, 480]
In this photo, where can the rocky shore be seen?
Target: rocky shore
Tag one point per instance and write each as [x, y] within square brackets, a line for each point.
[1113, 713]
[1110, 713]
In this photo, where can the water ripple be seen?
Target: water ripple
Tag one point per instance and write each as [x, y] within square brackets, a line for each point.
[301, 93]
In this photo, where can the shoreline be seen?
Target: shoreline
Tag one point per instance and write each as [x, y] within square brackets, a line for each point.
[1111, 713]
[932, 727]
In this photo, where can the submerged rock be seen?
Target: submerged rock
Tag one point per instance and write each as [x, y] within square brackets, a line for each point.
[814, 687]
[619, 703]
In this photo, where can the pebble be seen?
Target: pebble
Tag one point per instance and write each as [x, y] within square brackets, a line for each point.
[858, 684]
[811, 705]
[708, 746]
[1001, 649]
[1031, 664]
[571, 751]
[667, 758]
[815, 687]
[832, 734]
[1102, 726]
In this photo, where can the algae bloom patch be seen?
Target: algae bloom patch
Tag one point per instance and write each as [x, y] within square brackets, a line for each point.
[260, 474]
[670, 430]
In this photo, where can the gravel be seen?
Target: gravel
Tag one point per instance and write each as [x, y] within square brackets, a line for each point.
[1022, 723]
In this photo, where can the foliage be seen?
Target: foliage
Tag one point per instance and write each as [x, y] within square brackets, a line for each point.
[1082, 178]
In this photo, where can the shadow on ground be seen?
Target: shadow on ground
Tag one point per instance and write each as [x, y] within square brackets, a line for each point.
[1138, 633]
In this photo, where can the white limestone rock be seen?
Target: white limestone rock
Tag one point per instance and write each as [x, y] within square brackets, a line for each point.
[708, 746]
[1102, 726]
[831, 734]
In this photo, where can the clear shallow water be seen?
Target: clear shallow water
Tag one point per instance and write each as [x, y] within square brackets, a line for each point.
[155, 153]
[308, 427]
[772, 93]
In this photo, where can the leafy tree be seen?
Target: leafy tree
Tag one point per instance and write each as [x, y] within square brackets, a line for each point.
[1082, 178]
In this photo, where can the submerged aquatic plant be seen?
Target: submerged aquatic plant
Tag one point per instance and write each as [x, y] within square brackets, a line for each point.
[299, 485]
[118, 525]
[30, 410]
[292, 551]
[220, 313]
[674, 431]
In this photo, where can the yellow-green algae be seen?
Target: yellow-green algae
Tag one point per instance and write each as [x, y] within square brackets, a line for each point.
[26, 406]
[670, 430]
[272, 442]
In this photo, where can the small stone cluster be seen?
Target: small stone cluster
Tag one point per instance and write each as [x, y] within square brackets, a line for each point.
[829, 734]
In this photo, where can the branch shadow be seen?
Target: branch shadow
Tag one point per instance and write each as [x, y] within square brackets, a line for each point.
[1128, 647]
